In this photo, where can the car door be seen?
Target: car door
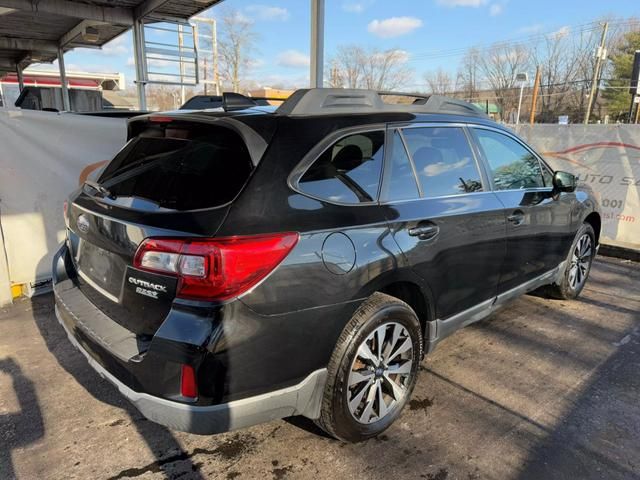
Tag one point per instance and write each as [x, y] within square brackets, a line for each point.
[448, 224]
[538, 219]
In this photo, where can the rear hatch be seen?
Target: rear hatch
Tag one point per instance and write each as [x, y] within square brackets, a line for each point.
[174, 178]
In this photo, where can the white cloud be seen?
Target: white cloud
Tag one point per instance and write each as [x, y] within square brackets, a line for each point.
[160, 63]
[293, 59]
[496, 9]
[462, 3]
[284, 81]
[356, 6]
[267, 12]
[531, 29]
[76, 67]
[439, 168]
[117, 46]
[401, 56]
[561, 32]
[394, 26]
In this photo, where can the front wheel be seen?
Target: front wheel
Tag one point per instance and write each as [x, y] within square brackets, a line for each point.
[372, 370]
[578, 265]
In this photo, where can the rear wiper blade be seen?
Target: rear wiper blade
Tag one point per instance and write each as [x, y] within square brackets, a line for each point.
[100, 188]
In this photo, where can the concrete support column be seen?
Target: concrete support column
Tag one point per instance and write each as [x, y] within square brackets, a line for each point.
[317, 43]
[66, 103]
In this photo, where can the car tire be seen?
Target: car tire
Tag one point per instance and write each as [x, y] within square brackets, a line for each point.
[577, 265]
[360, 368]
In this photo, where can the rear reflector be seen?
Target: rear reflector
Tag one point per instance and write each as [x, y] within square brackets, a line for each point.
[160, 119]
[65, 212]
[188, 385]
[217, 268]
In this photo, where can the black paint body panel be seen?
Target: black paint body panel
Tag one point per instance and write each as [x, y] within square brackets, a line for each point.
[288, 325]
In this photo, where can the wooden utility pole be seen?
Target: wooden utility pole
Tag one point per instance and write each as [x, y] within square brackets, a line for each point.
[534, 99]
[600, 56]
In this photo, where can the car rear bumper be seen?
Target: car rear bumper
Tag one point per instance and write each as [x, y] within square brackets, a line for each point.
[301, 399]
[238, 385]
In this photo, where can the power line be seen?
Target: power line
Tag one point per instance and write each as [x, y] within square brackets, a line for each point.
[520, 41]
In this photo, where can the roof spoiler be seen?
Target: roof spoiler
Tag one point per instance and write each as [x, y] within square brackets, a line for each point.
[327, 101]
[236, 101]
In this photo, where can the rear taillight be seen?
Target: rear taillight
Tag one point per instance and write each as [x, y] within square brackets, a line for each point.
[218, 268]
[65, 211]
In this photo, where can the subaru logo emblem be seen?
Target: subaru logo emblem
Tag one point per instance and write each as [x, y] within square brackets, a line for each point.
[83, 223]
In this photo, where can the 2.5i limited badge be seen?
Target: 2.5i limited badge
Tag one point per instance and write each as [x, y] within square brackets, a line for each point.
[146, 288]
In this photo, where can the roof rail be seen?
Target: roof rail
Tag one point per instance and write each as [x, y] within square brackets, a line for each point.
[328, 101]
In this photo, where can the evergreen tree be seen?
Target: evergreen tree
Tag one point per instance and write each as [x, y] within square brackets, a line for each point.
[617, 89]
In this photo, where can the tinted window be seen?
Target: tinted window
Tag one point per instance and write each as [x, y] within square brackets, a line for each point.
[512, 165]
[348, 171]
[401, 182]
[180, 168]
[443, 160]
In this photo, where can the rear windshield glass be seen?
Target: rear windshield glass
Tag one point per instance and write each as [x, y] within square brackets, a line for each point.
[180, 168]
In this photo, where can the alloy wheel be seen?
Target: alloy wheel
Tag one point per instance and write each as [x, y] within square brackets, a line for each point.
[580, 262]
[380, 373]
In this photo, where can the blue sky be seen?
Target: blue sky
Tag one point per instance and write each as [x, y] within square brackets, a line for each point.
[419, 27]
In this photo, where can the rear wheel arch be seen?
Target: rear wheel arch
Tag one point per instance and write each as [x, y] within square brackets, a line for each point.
[595, 221]
[413, 295]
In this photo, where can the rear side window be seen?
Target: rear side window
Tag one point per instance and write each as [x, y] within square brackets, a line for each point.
[400, 183]
[512, 165]
[443, 160]
[180, 168]
[348, 171]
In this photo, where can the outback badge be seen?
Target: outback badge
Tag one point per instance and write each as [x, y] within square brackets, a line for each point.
[148, 289]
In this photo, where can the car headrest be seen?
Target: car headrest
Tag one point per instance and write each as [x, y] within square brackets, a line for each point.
[348, 158]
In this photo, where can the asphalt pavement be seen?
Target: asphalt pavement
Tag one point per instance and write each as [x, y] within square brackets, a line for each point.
[543, 389]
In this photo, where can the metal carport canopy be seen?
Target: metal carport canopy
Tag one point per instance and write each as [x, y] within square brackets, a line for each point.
[39, 31]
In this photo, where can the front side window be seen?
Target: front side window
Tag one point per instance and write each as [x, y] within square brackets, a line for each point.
[547, 174]
[443, 160]
[348, 171]
[511, 164]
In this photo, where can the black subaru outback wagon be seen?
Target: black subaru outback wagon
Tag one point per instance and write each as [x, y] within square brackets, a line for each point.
[233, 267]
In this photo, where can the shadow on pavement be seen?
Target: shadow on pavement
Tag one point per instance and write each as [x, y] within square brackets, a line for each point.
[158, 438]
[600, 435]
[22, 428]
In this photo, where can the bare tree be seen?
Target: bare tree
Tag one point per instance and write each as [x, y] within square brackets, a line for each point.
[439, 82]
[468, 74]
[556, 55]
[347, 66]
[236, 47]
[356, 67]
[499, 65]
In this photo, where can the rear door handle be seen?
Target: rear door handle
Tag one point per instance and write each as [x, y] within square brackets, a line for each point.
[424, 232]
[517, 217]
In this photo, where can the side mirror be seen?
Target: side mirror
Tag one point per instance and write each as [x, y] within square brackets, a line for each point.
[564, 182]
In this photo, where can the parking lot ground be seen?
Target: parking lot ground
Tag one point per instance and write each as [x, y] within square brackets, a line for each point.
[544, 389]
